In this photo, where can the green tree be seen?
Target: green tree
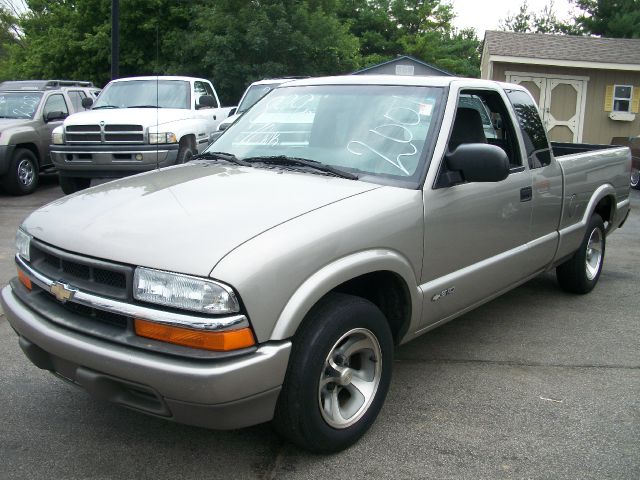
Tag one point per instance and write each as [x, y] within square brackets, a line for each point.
[422, 28]
[232, 42]
[455, 51]
[9, 37]
[609, 18]
[544, 21]
[72, 39]
[520, 22]
[235, 42]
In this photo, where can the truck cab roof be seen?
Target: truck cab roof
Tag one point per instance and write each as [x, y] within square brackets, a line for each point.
[160, 77]
[41, 85]
[427, 81]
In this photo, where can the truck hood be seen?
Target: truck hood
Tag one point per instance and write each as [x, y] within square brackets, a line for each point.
[186, 218]
[12, 122]
[146, 117]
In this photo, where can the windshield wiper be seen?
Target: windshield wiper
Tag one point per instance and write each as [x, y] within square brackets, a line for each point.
[145, 106]
[229, 157]
[301, 162]
[104, 106]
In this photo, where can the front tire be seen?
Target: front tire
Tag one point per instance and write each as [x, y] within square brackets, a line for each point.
[71, 185]
[338, 375]
[635, 178]
[185, 152]
[581, 272]
[22, 176]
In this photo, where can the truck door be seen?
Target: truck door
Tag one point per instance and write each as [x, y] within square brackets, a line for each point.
[476, 232]
[546, 176]
[55, 103]
[211, 117]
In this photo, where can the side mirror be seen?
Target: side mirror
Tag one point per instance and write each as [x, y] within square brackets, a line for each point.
[87, 102]
[206, 101]
[55, 115]
[479, 162]
[232, 111]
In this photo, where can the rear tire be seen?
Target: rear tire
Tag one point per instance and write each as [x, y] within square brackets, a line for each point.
[22, 176]
[71, 185]
[338, 375]
[581, 272]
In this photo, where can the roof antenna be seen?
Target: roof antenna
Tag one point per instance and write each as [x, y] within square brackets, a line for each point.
[157, 94]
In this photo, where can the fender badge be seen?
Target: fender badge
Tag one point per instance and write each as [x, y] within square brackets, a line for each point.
[62, 291]
[443, 293]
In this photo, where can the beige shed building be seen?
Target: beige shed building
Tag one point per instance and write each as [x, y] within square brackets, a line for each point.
[587, 88]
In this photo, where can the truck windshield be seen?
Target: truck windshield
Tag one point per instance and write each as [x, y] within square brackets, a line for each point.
[369, 130]
[146, 93]
[19, 104]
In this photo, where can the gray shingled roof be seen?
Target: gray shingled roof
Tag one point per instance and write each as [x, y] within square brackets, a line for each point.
[563, 47]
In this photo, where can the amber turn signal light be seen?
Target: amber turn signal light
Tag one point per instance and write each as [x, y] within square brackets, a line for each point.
[24, 280]
[217, 341]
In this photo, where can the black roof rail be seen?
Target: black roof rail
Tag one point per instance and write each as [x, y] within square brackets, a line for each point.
[42, 84]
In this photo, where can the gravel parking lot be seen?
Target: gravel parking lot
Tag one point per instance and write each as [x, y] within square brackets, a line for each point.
[535, 384]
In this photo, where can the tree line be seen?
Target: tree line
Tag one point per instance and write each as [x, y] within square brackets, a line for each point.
[234, 42]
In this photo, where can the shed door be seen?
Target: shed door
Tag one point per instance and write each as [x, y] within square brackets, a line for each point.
[561, 102]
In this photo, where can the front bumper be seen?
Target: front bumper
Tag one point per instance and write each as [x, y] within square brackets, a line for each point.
[112, 160]
[221, 394]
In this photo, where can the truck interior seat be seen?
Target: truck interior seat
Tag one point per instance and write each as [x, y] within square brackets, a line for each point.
[467, 128]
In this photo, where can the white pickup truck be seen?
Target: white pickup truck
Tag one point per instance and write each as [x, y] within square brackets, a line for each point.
[272, 277]
[136, 124]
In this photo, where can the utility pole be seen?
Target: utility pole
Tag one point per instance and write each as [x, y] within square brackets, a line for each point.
[115, 39]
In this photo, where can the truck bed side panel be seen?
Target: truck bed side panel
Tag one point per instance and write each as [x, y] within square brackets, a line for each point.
[589, 177]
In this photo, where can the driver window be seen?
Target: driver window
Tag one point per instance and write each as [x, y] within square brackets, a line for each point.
[200, 89]
[55, 103]
[481, 117]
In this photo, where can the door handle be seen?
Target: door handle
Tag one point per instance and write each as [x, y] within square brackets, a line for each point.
[526, 194]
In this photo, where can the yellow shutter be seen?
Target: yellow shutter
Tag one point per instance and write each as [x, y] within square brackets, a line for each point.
[635, 101]
[608, 99]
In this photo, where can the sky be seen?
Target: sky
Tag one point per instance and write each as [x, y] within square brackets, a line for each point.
[486, 14]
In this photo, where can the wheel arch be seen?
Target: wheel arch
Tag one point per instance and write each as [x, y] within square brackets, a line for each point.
[33, 148]
[190, 139]
[603, 202]
[381, 276]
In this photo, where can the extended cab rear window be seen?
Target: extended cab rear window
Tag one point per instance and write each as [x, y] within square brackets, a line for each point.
[533, 132]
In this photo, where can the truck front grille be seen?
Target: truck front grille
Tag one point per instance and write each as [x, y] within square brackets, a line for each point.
[91, 275]
[84, 134]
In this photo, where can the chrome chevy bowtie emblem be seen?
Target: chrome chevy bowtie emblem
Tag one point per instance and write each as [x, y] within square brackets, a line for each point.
[62, 291]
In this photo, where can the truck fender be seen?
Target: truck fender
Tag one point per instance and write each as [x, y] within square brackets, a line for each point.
[601, 192]
[200, 129]
[571, 236]
[336, 273]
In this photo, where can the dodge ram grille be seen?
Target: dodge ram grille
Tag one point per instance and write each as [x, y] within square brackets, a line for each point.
[87, 134]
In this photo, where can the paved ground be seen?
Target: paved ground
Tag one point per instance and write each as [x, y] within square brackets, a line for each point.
[536, 384]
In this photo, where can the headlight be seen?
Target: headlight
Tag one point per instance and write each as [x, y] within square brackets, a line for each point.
[23, 244]
[57, 136]
[163, 137]
[183, 291]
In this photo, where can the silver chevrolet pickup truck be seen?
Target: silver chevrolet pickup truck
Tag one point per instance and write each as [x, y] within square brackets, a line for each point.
[271, 277]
